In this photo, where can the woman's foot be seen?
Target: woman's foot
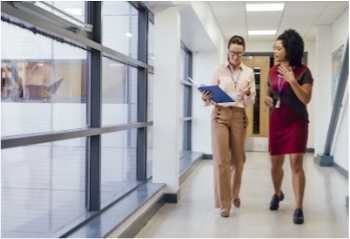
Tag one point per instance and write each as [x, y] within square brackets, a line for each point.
[298, 217]
[275, 201]
[236, 202]
[225, 212]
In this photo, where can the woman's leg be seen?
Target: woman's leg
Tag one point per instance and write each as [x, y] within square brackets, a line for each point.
[238, 133]
[277, 178]
[298, 178]
[277, 172]
[221, 159]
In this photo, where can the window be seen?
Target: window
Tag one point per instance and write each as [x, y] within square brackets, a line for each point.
[52, 127]
[120, 27]
[43, 83]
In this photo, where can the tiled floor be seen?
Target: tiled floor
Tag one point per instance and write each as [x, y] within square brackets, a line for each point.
[326, 213]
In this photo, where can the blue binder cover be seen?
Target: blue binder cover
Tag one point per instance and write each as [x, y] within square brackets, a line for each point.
[219, 96]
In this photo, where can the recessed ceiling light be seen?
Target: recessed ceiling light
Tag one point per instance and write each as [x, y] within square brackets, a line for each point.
[259, 7]
[264, 32]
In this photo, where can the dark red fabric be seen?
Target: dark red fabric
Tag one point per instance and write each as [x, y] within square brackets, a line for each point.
[288, 131]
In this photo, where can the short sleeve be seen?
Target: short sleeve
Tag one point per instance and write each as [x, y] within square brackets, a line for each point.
[306, 78]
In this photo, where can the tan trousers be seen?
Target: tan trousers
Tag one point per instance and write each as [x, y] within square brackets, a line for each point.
[229, 126]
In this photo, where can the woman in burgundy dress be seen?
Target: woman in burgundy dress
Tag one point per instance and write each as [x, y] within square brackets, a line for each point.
[289, 91]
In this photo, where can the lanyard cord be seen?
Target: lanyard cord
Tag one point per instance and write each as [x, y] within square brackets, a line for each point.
[280, 85]
[234, 79]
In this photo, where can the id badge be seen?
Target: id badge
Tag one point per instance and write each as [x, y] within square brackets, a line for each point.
[278, 103]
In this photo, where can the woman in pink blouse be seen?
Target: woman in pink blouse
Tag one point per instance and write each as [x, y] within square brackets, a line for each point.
[229, 125]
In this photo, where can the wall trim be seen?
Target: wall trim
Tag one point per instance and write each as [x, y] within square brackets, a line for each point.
[341, 170]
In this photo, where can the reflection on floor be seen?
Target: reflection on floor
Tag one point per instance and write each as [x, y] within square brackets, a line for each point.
[326, 213]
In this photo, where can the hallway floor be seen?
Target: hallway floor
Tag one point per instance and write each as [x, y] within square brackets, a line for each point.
[194, 216]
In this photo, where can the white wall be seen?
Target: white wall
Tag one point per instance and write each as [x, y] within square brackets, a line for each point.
[340, 148]
[330, 38]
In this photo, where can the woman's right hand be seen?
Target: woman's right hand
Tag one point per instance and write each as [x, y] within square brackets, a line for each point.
[206, 95]
[268, 101]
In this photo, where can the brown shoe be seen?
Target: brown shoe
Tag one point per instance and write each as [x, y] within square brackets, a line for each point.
[236, 202]
[225, 212]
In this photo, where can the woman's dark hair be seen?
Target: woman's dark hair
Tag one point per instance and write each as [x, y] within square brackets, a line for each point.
[294, 45]
[236, 40]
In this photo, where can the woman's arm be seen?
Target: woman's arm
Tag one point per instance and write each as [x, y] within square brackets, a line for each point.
[303, 92]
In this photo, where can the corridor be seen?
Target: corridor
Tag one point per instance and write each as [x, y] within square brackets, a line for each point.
[326, 213]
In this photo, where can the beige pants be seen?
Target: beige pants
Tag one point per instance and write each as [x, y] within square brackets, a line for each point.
[229, 126]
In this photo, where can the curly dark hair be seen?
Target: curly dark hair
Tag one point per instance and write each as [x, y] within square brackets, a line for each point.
[294, 45]
[236, 40]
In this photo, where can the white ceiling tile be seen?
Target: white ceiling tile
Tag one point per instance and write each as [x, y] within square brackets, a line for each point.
[302, 16]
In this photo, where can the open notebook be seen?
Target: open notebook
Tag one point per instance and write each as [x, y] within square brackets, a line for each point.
[219, 96]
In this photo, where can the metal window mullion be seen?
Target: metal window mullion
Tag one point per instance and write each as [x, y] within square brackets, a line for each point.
[190, 107]
[142, 82]
[93, 167]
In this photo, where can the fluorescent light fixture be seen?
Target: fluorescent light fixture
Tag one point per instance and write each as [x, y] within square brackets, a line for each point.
[260, 7]
[128, 34]
[264, 32]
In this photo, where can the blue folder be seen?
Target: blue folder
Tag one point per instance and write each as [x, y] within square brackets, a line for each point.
[219, 96]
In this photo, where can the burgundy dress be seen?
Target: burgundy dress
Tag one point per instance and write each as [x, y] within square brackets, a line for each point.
[289, 120]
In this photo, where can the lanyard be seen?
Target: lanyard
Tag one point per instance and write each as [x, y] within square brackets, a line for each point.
[234, 79]
[280, 85]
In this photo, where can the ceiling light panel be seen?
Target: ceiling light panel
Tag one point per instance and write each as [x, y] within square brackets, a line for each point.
[261, 32]
[260, 7]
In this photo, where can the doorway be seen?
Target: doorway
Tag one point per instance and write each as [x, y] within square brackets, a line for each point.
[258, 115]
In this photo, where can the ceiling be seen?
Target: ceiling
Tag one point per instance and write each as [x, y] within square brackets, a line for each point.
[303, 16]
[233, 19]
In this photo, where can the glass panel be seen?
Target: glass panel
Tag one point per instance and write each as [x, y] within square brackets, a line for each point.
[42, 188]
[150, 98]
[119, 93]
[150, 43]
[120, 27]
[149, 151]
[43, 83]
[75, 9]
[118, 173]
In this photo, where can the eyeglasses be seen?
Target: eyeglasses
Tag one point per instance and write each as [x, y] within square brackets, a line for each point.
[234, 53]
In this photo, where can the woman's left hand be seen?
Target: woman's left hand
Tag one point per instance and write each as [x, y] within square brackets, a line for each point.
[246, 91]
[286, 73]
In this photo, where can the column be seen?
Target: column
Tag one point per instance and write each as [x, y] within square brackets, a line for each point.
[166, 116]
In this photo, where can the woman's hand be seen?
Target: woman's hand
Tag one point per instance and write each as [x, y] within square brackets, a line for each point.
[287, 73]
[268, 101]
[246, 91]
[206, 95]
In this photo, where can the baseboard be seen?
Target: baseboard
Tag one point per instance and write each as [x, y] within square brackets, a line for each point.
[341, 170]
[133, 224]
[172, 197]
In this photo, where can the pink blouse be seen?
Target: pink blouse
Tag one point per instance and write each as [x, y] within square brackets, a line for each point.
[233, 83]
